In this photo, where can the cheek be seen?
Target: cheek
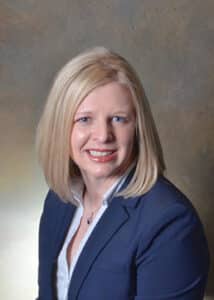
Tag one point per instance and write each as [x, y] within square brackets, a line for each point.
[128, 137]
[78, 139]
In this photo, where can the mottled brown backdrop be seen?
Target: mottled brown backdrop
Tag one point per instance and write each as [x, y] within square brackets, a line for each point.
[170, 43]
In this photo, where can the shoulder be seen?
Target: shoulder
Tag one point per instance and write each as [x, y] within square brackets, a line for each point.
[165, 193]
[171, 245]
[53, 201]
[165, 197]
[53, 204]
[53, 210]
[166, 213]
[167, 217]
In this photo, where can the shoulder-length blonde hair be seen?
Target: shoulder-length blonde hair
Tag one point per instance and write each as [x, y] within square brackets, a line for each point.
[87, 71]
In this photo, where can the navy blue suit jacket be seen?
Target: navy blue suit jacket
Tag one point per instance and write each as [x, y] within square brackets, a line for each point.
[150, 247]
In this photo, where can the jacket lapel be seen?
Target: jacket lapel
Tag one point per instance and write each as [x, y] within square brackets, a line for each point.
[65, 217]
[113, 218]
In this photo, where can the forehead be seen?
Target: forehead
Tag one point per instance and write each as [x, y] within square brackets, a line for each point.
[109, 96]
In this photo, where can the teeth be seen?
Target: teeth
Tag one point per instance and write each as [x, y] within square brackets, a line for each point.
[98, 153]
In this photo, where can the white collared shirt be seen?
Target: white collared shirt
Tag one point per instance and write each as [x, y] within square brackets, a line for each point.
[64, 272]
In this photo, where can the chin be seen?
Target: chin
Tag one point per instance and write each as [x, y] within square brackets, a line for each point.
[103, 174]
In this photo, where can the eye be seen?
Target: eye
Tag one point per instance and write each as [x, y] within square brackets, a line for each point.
[119, 119]
[82, 120]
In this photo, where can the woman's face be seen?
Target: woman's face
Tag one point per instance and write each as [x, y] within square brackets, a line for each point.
[102, 138]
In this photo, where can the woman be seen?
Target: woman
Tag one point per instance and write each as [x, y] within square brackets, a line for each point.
[112, 227]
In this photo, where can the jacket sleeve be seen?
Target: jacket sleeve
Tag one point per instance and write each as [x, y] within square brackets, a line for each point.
[172, 258]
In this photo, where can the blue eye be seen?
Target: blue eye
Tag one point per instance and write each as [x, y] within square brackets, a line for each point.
[119, 119]
[83, 120]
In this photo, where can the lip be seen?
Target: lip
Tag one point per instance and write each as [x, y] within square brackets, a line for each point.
[102, 159]
[101, 150]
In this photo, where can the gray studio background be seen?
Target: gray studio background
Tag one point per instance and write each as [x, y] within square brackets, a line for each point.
[169, 42]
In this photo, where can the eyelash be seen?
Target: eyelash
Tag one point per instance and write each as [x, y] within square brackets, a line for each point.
[120, 119]
[117, 119]
[83, 120]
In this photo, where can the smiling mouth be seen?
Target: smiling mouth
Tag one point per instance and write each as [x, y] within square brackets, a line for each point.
[100, 153]
[102, 156]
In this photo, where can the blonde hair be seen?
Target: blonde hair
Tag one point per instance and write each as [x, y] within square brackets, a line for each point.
[87, 71]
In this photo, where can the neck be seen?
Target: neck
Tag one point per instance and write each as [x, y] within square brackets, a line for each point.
[94, 191]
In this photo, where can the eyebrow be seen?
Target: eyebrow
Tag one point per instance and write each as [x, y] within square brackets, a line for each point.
[89, 112]
[83, 112]
[120, 112]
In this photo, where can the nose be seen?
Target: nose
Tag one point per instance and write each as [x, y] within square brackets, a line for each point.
[103, 132]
